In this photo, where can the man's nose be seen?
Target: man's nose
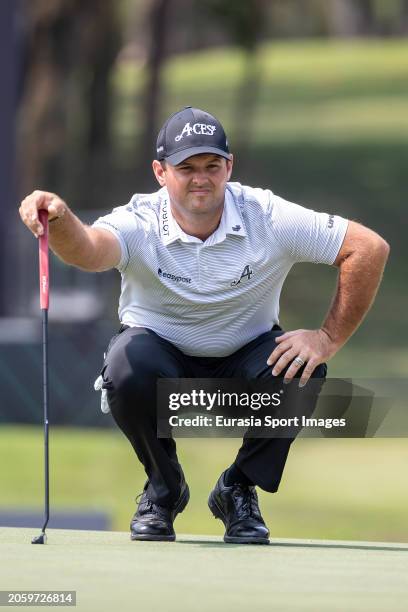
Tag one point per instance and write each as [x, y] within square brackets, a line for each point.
[199, 177]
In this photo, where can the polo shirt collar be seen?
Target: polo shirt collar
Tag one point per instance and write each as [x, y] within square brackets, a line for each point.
[231, 223]
[231, 220]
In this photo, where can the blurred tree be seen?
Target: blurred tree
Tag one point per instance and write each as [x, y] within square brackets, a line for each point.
[64, 111]
[344, 17]
[367, 17]
[404, 17]
[100, 42]
[9, 69]
[390, 17]
[244, 20]
[157, 25]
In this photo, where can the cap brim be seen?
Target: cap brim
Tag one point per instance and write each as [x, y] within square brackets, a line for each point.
[180, 156]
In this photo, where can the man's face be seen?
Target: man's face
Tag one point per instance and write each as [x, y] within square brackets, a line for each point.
[196, 185]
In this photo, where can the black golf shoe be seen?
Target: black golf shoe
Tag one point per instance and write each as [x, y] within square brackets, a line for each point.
[237, 507]
[154, 522]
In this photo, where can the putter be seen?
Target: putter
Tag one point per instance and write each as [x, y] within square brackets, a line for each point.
[44, 301]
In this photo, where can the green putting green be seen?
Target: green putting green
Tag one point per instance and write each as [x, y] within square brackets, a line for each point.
[109, 572]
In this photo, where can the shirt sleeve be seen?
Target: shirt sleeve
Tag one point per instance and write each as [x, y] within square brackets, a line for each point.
[122, 224]
[307, 235]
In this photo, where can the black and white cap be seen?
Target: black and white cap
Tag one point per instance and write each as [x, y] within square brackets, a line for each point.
[188, 132]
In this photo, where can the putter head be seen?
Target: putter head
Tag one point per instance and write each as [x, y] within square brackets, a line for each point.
[41, 539]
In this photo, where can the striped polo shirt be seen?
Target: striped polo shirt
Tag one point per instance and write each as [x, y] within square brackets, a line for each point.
[210, 298]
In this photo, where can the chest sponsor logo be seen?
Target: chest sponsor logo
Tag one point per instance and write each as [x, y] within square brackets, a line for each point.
[330, 222]
[173, 277]
[202, 129]
[245, 274]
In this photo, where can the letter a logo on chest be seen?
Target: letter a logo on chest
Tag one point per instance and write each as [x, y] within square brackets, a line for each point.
[246, 273]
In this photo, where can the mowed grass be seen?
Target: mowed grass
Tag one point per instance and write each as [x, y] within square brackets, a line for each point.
[200, 573]
[332, 489]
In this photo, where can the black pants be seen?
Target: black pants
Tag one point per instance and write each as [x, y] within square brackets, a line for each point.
[136, 357]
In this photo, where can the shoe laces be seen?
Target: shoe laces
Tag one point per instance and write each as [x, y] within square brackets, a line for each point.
[139, 497]
[148, 506]
[245, 500]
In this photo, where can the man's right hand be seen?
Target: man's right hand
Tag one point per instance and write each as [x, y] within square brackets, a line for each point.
[89, 248]
[37, 200]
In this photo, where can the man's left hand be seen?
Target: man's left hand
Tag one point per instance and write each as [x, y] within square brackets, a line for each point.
[298, 347]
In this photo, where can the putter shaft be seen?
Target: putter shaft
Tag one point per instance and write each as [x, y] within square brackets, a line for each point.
[44, 301]
[45, 398]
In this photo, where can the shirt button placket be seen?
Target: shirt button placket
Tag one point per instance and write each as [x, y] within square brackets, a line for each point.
[204, 267]
[198, 253]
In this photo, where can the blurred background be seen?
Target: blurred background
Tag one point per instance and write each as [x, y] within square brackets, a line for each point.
[313, 96]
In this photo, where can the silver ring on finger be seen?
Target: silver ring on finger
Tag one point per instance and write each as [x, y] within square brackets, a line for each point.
[299, 361]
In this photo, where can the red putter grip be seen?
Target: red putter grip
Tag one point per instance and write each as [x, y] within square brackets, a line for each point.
[44, 261]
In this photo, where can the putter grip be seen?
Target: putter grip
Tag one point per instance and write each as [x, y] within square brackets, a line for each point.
[44, 261]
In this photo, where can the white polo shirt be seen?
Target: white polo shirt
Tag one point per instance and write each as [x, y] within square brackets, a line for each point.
[210, 298]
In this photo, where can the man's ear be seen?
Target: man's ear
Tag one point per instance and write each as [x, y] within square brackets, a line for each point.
[230, 163]
[159, 172]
